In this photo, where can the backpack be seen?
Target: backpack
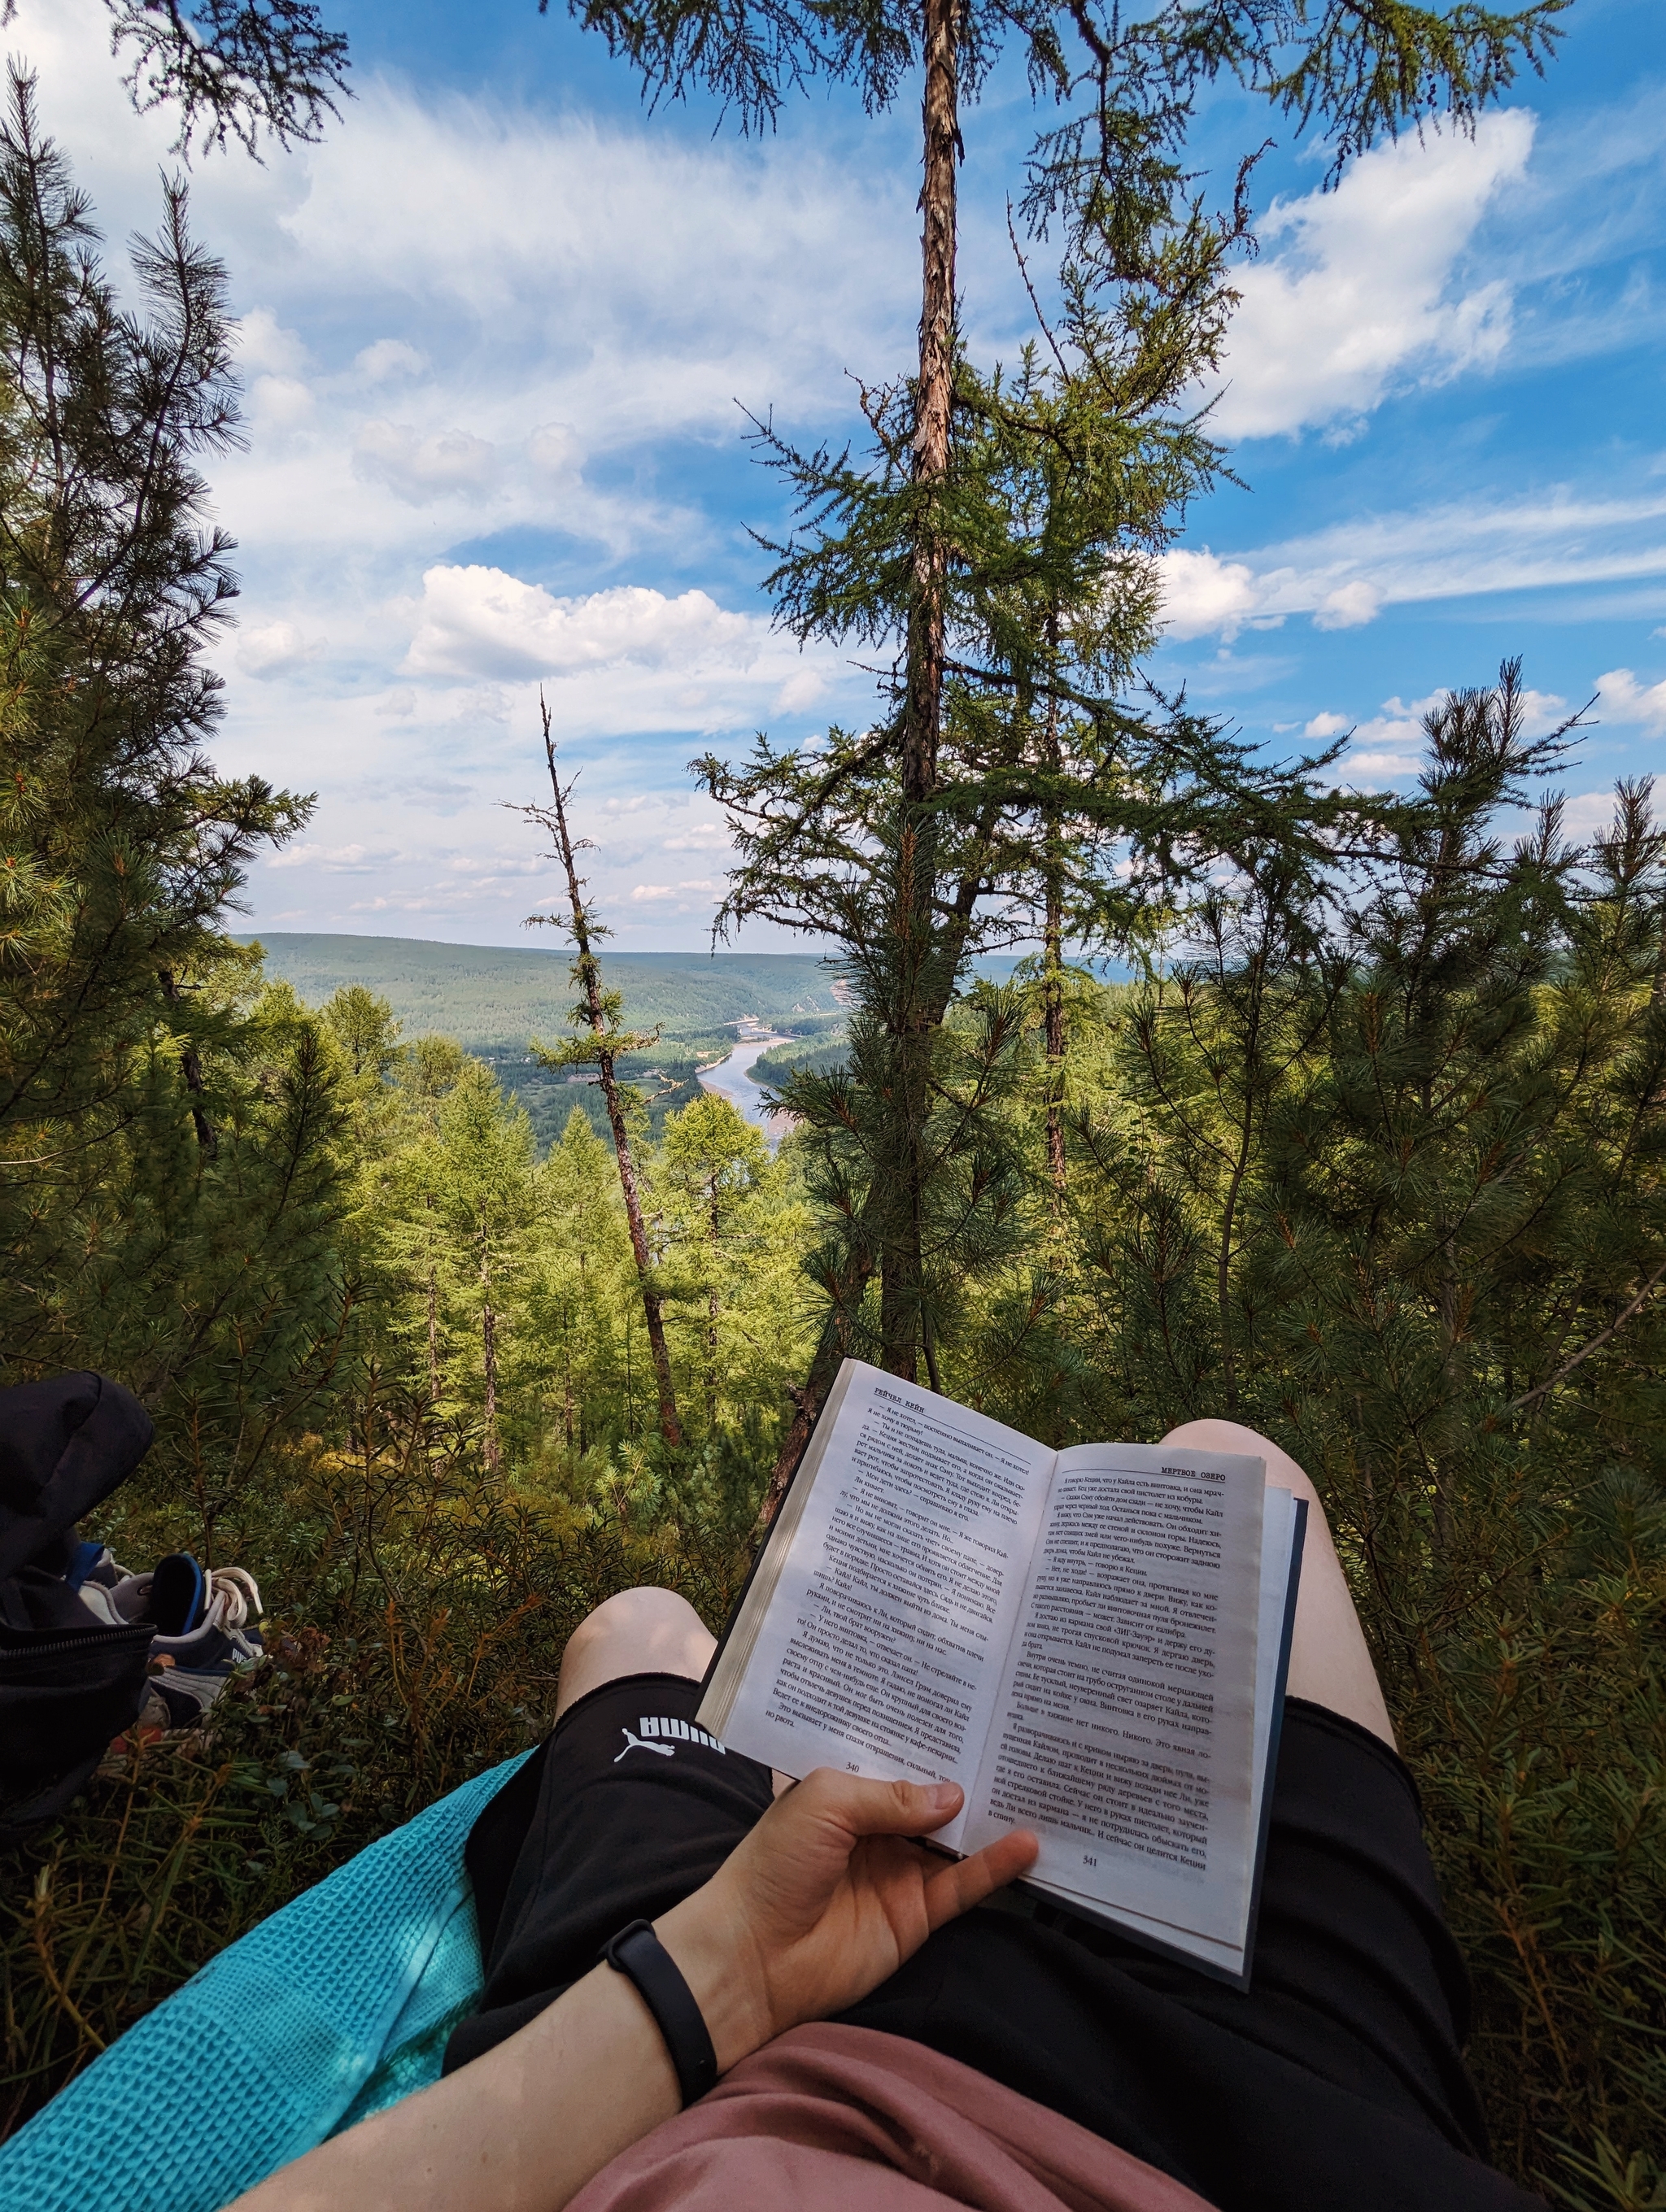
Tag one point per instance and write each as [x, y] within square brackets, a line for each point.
[68, 1682]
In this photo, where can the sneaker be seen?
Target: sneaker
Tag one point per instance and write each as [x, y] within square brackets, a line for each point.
[94, 1564]
[110, 1592]
[204, 1621]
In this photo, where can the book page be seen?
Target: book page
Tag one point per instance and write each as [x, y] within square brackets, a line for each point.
[1126, 1730]
[879, 1643]
[1280, 1566]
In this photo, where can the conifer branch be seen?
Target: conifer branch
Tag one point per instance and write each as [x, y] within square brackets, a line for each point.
[1603, 1336]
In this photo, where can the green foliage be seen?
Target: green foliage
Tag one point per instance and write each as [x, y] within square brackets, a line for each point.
[813, 1057]
[168, 1177]
[997, 545]
[1388, 1180]
[1391, 1188]
[1055, 804]
[491, 1000]
[1358, 70]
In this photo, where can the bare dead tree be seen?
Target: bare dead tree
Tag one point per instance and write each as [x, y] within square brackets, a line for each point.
[601, 1044]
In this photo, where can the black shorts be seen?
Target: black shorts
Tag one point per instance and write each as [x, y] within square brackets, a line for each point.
[1337, 2080]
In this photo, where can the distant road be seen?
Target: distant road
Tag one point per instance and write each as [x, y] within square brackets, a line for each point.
[730, 1079]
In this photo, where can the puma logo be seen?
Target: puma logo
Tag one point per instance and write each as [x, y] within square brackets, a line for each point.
[679, 1731]
[635, 1743]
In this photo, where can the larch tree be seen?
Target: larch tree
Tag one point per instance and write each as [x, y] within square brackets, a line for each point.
[713, 1163]
[231, 69]
[487, 1194]
[867, 839]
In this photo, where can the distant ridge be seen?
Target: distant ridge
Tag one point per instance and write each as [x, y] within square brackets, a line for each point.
[488, 995]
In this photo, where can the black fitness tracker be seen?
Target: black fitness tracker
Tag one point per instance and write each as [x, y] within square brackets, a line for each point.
[637, 1952]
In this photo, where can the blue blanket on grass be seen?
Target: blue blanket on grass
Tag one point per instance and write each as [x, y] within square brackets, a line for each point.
[337, 2006]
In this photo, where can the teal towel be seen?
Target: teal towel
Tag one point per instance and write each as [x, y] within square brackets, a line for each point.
[337, 2006]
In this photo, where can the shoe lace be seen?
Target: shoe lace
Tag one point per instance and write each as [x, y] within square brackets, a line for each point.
[233, 1599]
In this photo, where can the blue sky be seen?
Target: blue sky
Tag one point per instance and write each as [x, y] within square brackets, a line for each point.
[495, 330]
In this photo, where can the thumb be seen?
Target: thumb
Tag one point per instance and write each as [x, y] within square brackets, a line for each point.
[882, 1808]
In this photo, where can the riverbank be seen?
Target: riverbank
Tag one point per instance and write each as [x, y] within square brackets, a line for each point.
[729, 1080]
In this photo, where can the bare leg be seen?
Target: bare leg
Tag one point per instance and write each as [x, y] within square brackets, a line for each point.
[640, 1631]
[1330, 1659]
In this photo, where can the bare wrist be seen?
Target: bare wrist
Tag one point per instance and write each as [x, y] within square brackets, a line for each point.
[724, 1973]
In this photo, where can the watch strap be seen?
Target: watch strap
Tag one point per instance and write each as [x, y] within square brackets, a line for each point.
[637, 1954]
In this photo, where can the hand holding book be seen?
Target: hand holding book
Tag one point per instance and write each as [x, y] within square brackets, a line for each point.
[1089, 1643]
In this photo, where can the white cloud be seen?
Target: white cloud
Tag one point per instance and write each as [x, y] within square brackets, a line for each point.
[263, 346]
[1349, 605]
[1542, 711]
[1203, 594]
[389, 357]
[1345, 575]
[1621, 698]
[1356, 297]
[693, 895]
[478, 621]
[555, 448]
[270, 650]
[1588, 814]
[336, 859]
[1374, 764]
[280, 404]
[444, 464]
[1392, 742]
[802, 689]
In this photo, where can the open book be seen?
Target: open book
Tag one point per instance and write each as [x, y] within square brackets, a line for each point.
[1093, 1643]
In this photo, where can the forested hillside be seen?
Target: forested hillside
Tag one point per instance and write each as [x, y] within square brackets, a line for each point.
[1370, 1153]
[494, 1000]
[485, 994]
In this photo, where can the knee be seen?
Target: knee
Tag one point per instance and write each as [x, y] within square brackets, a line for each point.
[637, 1631]
[644, 1611]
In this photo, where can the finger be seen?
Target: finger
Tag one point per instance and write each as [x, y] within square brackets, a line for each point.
[881, 1808]
[967, 1882]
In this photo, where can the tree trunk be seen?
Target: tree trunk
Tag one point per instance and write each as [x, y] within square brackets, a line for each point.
[933, 401]
[1053, 952]
[589, 974]
[1053, 1001]
[909, 1022]
[830, 1349]
[433, 1320]
[653, 1314]
[191, 1067]
[493, 1450]
[714, 1225]
[566, 1317]
[850, 1287]
[1250, 1060]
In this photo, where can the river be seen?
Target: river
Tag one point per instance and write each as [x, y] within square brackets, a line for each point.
[730, 1079]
